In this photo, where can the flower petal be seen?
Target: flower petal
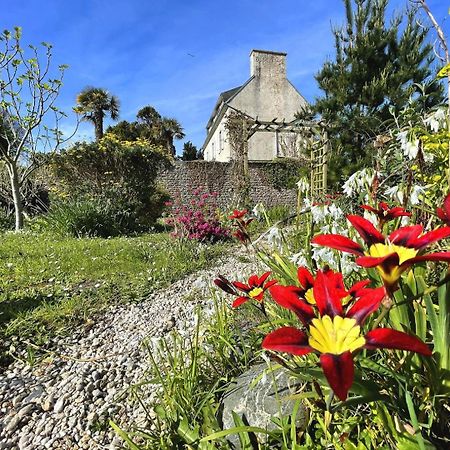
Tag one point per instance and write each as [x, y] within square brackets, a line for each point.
[370, 208]
[263, 278]
[393, 339]
[339, 371]
[397, 211]
[432, 236]
[338, 242]
[270, 283]
[289, 340]
[329, 290]
[367, 304]
[225, 285]
[288, 297]
[253, 281]
[438, 256]
[387, 261]
[305, 278]
[406, 236]
[366, 229]
[241, 286]
[444, 212]
[239, 301]
[358, 288]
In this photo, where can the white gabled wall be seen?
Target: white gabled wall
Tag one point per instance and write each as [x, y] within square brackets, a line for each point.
[268, 95]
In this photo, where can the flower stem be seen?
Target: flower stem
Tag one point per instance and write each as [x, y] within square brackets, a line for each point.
[387, 305]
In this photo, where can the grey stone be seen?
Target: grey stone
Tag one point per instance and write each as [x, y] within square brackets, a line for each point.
[60, 404]
[258, 396]
[34, 395]
[48, 403]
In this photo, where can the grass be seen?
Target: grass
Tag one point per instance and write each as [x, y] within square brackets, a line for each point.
[48, 283]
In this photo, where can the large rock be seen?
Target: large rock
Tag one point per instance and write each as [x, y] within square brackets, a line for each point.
[258, 396]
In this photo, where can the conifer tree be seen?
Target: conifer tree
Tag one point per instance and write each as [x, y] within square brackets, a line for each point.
[380, 64]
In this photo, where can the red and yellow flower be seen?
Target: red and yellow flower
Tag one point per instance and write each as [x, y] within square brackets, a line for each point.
[333, 317]
[390, 255]
[254, 290]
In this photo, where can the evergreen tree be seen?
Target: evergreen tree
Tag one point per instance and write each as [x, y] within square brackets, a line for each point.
[190, 152]
[379, 66]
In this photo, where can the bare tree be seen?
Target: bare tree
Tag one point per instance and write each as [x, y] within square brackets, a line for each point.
[443, 53]
[29, 88]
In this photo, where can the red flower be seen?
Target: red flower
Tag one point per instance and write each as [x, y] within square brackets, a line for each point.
[238, 214]
[335, 332]
[241, 236]
[392, 254]
[254, 290]
[385, 213]
[444, 212]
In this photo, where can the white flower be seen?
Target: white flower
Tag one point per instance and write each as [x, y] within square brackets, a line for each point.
[323, 255]
[303, 186]
[411, 149]
[298, 259]
[402, 137]
[358, 181]
[348, 265]
[335, 212]
[319, 213]
[370, 217]
[274, 238]
[395, 194]
[416, 192]
[436, 120]
[258, 210]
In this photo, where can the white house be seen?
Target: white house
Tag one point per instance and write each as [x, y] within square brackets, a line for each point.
[267, 95]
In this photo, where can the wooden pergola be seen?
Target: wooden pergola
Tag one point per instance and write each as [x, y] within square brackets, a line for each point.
[317, 140]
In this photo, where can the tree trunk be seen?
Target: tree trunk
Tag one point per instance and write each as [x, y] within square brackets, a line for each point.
[98, 123]
[17, 199]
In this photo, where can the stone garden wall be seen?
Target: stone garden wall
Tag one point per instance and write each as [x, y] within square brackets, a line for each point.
[184, 176]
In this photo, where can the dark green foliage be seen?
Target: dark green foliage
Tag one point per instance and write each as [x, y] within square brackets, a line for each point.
[152, 127]
[284, 173]
[106, 188]
[190, 152]
[93, 104]
[127, 131]
[379, 66]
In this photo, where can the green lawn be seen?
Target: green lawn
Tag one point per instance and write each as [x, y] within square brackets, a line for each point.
[48, 283]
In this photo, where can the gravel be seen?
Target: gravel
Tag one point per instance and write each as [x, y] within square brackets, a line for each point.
[65, 400]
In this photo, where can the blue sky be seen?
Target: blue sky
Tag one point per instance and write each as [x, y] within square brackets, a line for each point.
[178, 55]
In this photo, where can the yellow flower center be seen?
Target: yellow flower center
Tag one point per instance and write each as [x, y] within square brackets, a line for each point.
[255, 292]
[404, 253]
[394, 273]
[335, 336]
[309, 296]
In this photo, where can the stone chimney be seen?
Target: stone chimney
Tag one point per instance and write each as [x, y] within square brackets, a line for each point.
[264, 63]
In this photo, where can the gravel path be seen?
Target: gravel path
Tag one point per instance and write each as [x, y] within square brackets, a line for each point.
[64, 401]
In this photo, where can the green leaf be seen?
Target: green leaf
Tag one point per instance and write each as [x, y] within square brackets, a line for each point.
[234, 430]
[124, 436]
[189, 435]
[415, 422]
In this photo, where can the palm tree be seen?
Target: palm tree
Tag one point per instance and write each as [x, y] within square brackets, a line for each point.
[94, 104]
[170, 129]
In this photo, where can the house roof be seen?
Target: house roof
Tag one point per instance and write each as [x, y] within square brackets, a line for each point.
[223, 97]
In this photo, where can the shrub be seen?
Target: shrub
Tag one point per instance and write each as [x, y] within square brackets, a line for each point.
[199, 220]
[106, 188]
